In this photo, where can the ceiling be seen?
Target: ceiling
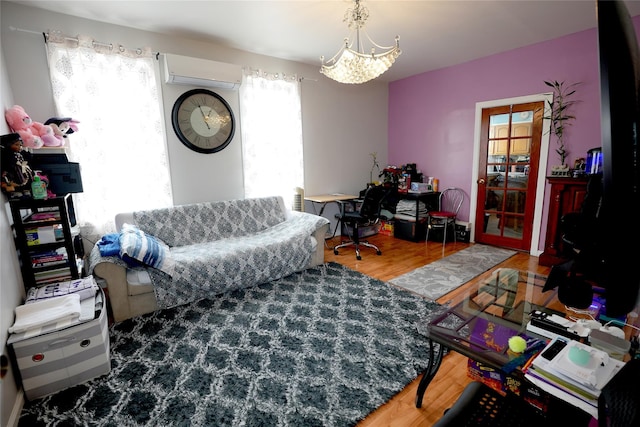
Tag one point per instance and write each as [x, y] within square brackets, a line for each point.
[433, 33]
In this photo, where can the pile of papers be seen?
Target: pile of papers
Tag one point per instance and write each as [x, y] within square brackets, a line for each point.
[57, 306]
[574, 372]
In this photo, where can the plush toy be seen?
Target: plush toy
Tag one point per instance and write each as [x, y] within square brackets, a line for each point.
[62, 126]
[46, 133]
[20, 122]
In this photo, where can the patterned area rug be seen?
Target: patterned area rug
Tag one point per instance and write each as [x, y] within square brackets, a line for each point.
[324, 347]
[441, 277]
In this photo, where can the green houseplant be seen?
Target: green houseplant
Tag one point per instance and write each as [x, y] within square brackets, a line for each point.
[559, 114]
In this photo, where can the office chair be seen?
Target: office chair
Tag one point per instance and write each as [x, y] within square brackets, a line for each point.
[479, 405]
[619, 400]
[449, 204]
[583, 249]
[368, 214]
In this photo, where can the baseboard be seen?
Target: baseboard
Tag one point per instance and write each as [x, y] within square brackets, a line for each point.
[16, 410]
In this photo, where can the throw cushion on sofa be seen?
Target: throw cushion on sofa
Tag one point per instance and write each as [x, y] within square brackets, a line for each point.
[146, 249]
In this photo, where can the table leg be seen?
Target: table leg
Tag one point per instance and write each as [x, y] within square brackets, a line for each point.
[430, 372]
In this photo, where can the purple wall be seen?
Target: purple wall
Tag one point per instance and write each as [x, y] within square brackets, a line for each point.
[432, 115]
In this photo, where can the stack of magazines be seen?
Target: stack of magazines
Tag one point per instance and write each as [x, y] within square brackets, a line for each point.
[573, 371]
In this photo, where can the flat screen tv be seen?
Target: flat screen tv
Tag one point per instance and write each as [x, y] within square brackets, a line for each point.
[604, 236]
[64, 176]
[618, 232]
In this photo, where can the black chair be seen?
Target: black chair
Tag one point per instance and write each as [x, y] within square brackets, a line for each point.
[619, 401]
[582, 243]
[479, 405]
[368, 214]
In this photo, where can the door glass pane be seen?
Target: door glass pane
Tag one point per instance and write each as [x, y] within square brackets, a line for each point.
[515, 202]
[512, 226]
[492, 224]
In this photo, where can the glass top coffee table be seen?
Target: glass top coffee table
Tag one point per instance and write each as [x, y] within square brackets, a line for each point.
[480, 325]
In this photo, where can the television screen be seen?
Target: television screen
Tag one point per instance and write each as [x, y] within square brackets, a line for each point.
[604, 236]
[63, 176]
[618, 234]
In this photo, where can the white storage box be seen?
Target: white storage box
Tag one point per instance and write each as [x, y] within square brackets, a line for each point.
[56, 360]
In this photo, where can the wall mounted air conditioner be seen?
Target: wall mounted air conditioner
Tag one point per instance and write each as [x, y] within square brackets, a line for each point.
[201, 72]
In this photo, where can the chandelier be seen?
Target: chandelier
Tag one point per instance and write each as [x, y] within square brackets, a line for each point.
[355, 66]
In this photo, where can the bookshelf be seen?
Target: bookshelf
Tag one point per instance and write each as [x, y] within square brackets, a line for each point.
[45, 232]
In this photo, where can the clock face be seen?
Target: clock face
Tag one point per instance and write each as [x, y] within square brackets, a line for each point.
[203, 121]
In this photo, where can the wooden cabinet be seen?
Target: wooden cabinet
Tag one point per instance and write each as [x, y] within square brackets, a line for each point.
[45, 232]
[567, 195]
[519, 146]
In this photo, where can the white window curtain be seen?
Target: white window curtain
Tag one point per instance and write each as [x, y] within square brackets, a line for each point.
[272, 150]
[120, 143]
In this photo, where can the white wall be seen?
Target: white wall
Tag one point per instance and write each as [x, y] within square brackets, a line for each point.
[11, 286]
[342, 124]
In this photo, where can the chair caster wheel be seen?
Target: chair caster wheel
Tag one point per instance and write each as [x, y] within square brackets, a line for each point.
[335, 252]
[379, 253]
[359, 258]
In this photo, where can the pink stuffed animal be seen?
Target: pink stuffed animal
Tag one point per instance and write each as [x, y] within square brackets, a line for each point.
[20, 122]
[46, 133]
[33, 134]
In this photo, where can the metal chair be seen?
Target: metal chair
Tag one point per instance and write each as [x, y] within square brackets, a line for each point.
[449, 204]
[368, 214]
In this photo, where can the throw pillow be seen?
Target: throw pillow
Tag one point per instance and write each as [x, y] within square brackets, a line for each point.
[145, 248]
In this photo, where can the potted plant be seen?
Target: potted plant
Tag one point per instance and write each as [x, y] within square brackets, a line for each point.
[375, 165]
[560, 117]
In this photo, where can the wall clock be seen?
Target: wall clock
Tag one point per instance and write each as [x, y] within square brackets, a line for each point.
[203, 121]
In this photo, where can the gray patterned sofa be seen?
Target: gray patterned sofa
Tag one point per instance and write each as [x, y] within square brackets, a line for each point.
[215, 247]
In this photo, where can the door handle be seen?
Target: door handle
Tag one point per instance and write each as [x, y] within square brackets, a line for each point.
[481, 181]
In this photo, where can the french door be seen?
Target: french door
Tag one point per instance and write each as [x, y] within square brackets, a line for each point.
[509, 153]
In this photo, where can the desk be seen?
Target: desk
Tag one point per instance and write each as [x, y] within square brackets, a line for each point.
[413, 227]
[479, 327]
[324, 199]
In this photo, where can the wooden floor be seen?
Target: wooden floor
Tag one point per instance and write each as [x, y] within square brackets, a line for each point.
[399, 257]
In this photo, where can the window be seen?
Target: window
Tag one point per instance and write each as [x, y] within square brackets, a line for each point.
[120, 144]
[272, 152]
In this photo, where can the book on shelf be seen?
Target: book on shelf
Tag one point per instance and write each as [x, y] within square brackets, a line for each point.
[43, 216]
[57, 274]
[49, 258]
[45, 258]
[53, 280]
[41, 235]
[573, 371]
[50, 263]
[590, 406]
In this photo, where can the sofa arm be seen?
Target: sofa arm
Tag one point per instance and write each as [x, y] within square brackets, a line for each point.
[317, 257]
[124, 303]
[116, 277]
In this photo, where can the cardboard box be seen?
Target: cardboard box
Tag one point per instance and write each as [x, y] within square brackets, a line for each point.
[53, 361]
[386, 228]
[504, 383]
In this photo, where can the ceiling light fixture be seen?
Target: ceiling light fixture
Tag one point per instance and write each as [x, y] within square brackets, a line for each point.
[354, 66]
